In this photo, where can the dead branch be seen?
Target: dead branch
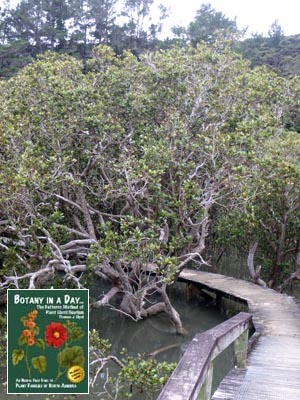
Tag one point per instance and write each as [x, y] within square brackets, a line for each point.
[106, 298]
[100, 363]
[163, 349]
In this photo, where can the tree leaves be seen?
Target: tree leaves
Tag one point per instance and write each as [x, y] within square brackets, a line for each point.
[75, 27]
[98, 164]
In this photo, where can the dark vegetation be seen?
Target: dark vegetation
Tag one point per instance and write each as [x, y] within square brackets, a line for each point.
[75, 27]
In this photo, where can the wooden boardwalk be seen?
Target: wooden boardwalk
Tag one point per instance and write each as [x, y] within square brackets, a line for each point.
[273, 370]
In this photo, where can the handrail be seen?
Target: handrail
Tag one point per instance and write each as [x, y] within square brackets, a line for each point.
[192, 378]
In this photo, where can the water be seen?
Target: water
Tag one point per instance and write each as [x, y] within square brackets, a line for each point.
[147, 335]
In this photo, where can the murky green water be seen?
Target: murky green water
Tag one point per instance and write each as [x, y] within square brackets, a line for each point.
[147, 335]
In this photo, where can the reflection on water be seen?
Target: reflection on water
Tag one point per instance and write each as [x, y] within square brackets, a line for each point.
[145, 336]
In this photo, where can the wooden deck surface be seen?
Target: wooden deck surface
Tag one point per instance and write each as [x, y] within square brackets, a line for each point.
[273, 370]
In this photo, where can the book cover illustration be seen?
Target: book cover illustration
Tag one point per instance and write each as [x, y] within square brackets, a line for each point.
[47, 341]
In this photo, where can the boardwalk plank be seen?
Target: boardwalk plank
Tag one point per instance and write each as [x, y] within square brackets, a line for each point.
[273, 371]
[230, 385]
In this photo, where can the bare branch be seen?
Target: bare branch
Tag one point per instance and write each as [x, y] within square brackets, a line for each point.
[106, 298]
[72, 203]
[254, 272]
[86, 213]
[74, 231]
[74, 243]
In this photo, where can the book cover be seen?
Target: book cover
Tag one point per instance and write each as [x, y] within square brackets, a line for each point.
[47, 341]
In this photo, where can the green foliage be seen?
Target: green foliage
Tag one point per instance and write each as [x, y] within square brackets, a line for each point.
[270, 211]
[33, 27]
[278, 52]
[75, 27]
[207, 23]
[150, 145]
[124, 163]
[96, 343]
[17, 356]
[71, 356]
[138, 374]
[39, 363]
[275, 33]
[75, 332]
[141, 375]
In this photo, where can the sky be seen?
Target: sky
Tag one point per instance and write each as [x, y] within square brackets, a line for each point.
[257, 15]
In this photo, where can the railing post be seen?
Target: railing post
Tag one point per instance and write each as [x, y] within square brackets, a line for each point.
[241, 349]
[219, 298]
[192, 378]
[205, 392]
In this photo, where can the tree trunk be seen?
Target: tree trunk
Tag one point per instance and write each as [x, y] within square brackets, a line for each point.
[275, 272]
[295, 275]
[170, 310]
[254, 272]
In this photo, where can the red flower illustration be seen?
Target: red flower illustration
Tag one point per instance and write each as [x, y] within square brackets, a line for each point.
[55, 334]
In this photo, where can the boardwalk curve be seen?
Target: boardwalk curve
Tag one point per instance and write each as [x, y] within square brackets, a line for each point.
[273, 368]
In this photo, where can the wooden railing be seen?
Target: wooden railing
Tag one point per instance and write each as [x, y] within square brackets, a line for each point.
[192, 378]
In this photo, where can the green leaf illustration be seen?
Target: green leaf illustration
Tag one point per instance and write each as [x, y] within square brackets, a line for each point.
[39, 363]
[71, 356]
[40, 343]
[17, 356]
[22, 340]
[36, 330]
[76, 333]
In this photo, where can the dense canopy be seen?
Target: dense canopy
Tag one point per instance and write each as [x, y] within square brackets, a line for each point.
[125, 166]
